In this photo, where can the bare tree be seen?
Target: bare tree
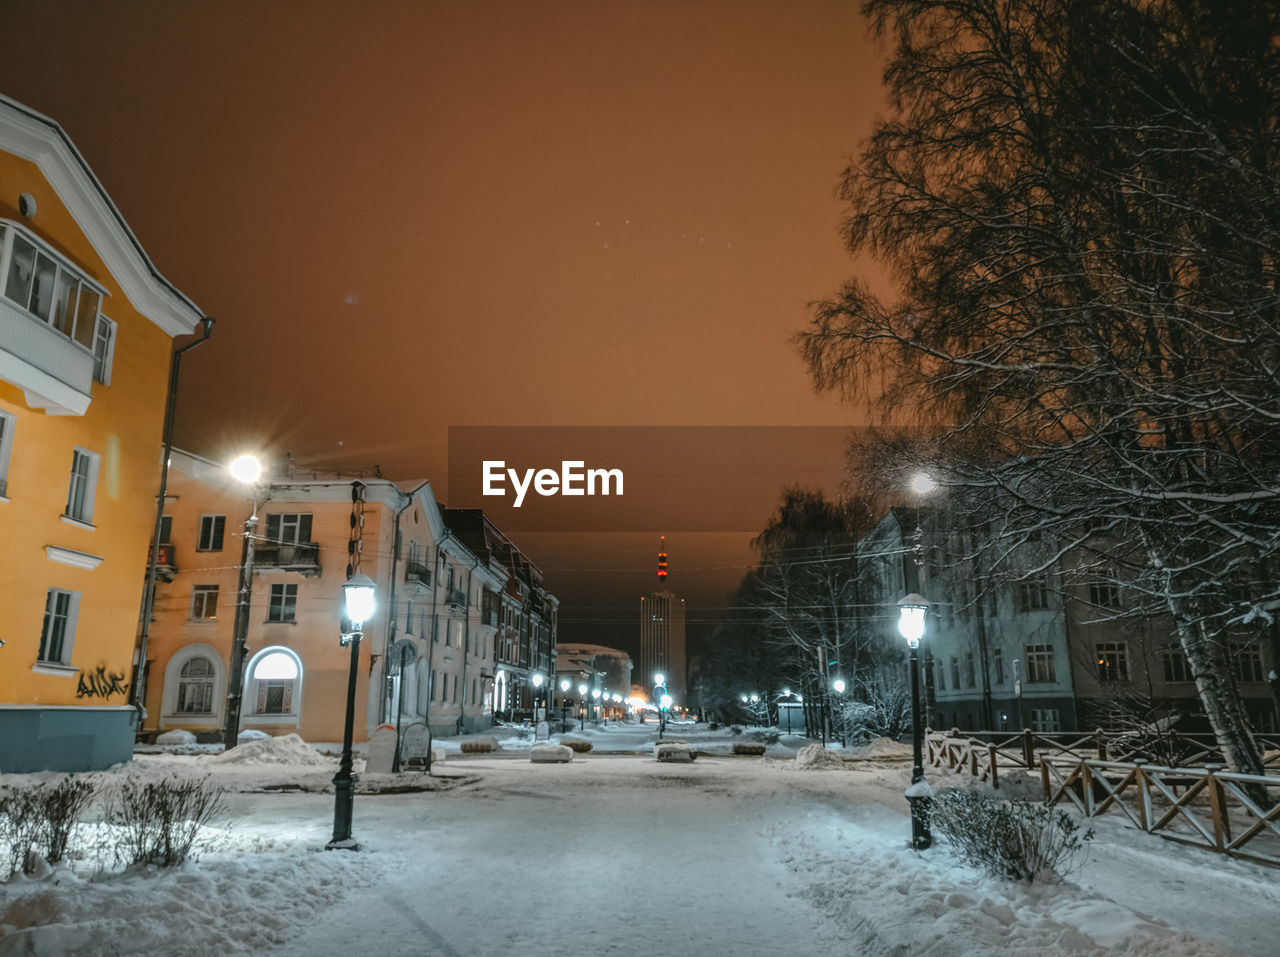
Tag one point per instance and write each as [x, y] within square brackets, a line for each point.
[1078, 199]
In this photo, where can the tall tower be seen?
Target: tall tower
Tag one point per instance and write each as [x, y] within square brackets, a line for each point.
[662, 635]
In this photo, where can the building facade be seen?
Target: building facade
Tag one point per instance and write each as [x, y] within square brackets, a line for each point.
[86, 330]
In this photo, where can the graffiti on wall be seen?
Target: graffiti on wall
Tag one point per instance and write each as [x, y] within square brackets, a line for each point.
[101, 683]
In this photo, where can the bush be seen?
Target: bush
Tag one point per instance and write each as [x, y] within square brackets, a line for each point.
[579, 746]
[735, 729]
[162, 819]
[42, 816]
[1014, 840]
[765, 737]
[742, 747]
[482, 746]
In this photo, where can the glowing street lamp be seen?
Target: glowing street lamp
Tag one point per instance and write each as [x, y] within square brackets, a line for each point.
[537, 691]
[582, 700]
[595, 694]
[565, 685]
[246, 469]
[911, 615]
[663, 700]
[358, 596]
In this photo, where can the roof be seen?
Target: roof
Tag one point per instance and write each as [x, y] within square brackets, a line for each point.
[35, 137]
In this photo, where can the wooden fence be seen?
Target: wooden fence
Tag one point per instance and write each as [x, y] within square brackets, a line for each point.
[1213, 811]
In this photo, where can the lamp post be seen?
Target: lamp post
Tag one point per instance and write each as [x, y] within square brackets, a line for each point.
[582, 709]
[660, 682]
[358, 595]
[595, 705]
[911, 612]
[565, 685]
[248, 470]
[537, 690]
[838, 687]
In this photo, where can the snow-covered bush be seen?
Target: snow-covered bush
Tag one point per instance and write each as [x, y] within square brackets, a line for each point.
[161, 819]
[41, 819]
[673, 751]
[176, 736]
[816, 756]
[735, 729]
[1013, 840]
[765, 737]
[881, 708]
[550, 754]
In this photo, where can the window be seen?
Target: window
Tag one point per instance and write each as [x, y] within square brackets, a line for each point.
[997, 657]
[104, 349]
[1040, 664]
[1045, 720]
[284, 603]
[1175, 665]
[289, 529]
[955, 672]
[195, 687]
[276, 675]
[166, 530]
[942, 676]
[51, 290]
[473, 690]
[455, 689]
[969, 672]
[7, 422]
[1248, 663]
[1033, 594]
[80, 490]
[1113, 661]
[431, 691]
[1104, 594]
[58, 633]
[212, 528]
[204, 602]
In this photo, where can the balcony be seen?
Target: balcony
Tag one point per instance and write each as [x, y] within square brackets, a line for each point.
[456, 598]
[54, 372]
[416, 573]
[300, 557]
[166, 567]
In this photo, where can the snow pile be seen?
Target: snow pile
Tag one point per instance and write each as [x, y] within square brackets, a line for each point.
[927, 903]
[176, 736]
[288, 749]
[550, 754]
[673, 751]
[884, 748]
[816, 756]
[252, 734]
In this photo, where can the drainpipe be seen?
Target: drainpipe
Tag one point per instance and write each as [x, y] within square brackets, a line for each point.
[391, 618]
[148, 594]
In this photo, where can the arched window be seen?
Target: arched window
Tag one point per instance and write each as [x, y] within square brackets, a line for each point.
[195, 686]
[276, 675]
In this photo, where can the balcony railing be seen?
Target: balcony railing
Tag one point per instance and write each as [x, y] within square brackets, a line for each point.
[456, 597]
[417, 573]
[166, 568]
[302, 557]
[53, 372]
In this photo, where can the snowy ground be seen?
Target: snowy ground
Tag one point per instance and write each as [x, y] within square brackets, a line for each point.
[613, 853]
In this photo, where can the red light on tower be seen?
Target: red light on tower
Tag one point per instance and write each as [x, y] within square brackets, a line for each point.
[662, 559]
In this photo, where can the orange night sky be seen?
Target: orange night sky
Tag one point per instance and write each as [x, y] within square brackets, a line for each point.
[407, 216]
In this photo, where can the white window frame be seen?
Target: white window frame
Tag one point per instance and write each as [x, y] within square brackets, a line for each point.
[250, 714]
[1112, 661]
[1041, 657]
[204, 598]
[211, 682]
[169, 715]
[290, 528]
[104, 360]
[1046, 720]
[8, 422]
[285, 594]
[69, 616]
[84, 515]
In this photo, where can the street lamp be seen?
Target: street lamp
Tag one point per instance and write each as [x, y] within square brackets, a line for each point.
[537, 690]
[582, 701]
[595, 705]
[663, 701]
[565, 685]
[838, 687]
[911, 612]
[246, 469]
[358, 596]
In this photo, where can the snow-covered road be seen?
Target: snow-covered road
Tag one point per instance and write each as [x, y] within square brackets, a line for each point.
[741, 857]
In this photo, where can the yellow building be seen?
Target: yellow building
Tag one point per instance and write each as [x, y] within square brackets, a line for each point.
[430, 618]
[86, 330]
